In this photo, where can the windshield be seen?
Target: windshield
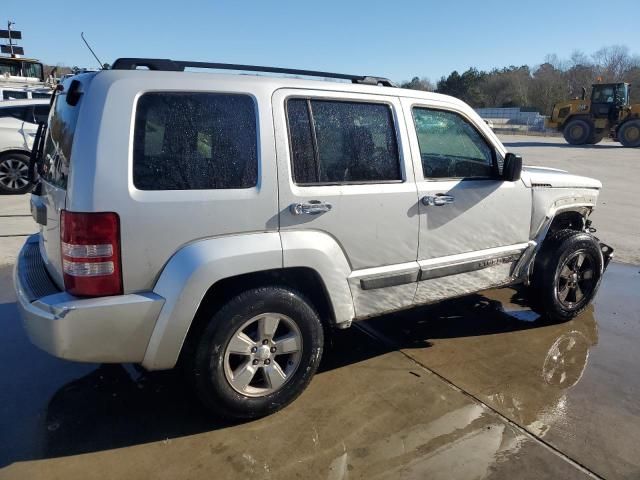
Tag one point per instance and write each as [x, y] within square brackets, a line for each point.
[59, 140]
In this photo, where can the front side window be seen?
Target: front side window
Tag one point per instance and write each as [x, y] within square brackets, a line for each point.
[338, 142]
[450, 147]
[195, 141]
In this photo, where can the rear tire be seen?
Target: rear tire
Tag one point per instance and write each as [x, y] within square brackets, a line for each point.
[14, 173]
[596, 138]
[629, 134]
[566, 275]
[244, 367]
[577, 132]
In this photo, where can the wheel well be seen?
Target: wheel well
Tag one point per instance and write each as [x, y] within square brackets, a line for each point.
[567, 220]
[14, 150]
[303, 280]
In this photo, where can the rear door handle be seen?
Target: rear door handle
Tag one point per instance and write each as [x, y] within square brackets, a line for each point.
[313, 207]
[437, 200]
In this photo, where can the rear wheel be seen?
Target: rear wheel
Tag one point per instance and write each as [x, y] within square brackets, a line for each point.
[596, 138]
[578, 132]
[566, 275]
[14, 173]
[257, 354]
[629, 134]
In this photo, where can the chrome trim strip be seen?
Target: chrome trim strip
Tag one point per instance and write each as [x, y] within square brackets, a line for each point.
[470, 262]
[392, 280]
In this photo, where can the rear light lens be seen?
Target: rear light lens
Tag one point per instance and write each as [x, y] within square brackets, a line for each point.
[90, 244]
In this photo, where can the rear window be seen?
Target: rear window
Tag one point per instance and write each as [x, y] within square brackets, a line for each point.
[195, 141]
[13, 95]
[57, 148]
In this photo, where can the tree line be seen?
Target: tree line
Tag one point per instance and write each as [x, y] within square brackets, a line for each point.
[540, 87]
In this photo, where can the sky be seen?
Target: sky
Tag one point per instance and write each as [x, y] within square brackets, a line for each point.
[398, 39]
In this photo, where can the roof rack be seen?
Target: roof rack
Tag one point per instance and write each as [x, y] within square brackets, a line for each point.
[167, 65]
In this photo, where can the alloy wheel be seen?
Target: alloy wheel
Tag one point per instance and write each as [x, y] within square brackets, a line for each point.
[263, 354]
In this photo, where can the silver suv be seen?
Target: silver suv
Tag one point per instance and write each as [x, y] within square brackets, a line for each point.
[224, 222]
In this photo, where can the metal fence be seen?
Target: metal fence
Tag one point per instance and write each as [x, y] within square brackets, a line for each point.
[515, 121]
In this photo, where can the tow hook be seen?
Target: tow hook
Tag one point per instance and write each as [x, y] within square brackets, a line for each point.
[607, 254]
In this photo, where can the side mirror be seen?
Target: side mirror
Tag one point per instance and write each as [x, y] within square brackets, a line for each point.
[512, 168]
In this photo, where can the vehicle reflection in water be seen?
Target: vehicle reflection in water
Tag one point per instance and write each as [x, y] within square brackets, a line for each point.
[370, 411]
[495, 348]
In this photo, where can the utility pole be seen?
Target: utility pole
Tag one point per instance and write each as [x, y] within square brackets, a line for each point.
[9, 23]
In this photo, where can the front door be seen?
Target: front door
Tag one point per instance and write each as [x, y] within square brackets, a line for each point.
[344, 171]
[473, 225]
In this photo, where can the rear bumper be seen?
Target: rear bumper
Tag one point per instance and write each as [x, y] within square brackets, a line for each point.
[105, 329]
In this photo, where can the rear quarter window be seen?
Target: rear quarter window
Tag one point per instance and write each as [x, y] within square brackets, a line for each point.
[195, 141]
[59, 140]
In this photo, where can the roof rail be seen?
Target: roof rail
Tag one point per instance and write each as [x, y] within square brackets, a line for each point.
[167, 65]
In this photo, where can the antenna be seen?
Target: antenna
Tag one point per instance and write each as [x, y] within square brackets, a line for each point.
[91, 50]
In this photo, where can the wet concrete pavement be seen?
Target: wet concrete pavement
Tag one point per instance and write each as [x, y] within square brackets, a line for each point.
[472, 388]
[574, 385]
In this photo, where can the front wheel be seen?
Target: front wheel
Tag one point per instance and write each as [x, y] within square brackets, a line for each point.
[566, 275]
[629, 134]
[257, 354]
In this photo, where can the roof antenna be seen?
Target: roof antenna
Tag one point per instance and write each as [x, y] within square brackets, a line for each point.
[102, 66]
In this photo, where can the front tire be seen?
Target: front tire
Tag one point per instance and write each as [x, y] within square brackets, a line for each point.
[566, 275]
[629, 134]
[257, 353]
[577, 132]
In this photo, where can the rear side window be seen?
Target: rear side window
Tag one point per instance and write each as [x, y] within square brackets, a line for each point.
[450, 147]
[13, 112]
[195, 141]
[59, 139]
[40, 113]
[338, 142]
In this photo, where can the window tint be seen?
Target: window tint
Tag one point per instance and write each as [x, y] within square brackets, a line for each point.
[41, 113]
[13, 95]
[342, 142]
[13, 112]
[58, 142]
[450, 147]
[187, 141]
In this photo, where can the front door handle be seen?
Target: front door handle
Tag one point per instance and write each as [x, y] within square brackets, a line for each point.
[313, 207]
[437, 200]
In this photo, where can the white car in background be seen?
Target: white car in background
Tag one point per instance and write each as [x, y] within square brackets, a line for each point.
[18, 126]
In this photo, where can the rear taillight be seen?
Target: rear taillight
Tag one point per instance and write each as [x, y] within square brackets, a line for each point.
[90, 244]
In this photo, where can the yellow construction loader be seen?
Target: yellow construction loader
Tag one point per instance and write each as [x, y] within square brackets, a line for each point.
[607, 114]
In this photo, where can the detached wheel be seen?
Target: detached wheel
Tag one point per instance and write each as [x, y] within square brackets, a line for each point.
[577, 132]
[14, 173]
[629, 134]
[257, 354]
[566, 275]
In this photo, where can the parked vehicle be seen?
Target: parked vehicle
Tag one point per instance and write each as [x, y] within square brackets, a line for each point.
[224, 222]
[18, 126]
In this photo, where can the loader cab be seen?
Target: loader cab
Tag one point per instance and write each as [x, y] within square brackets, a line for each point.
[608, 98]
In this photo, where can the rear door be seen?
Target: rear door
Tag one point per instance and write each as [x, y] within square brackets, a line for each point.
[344, 169]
